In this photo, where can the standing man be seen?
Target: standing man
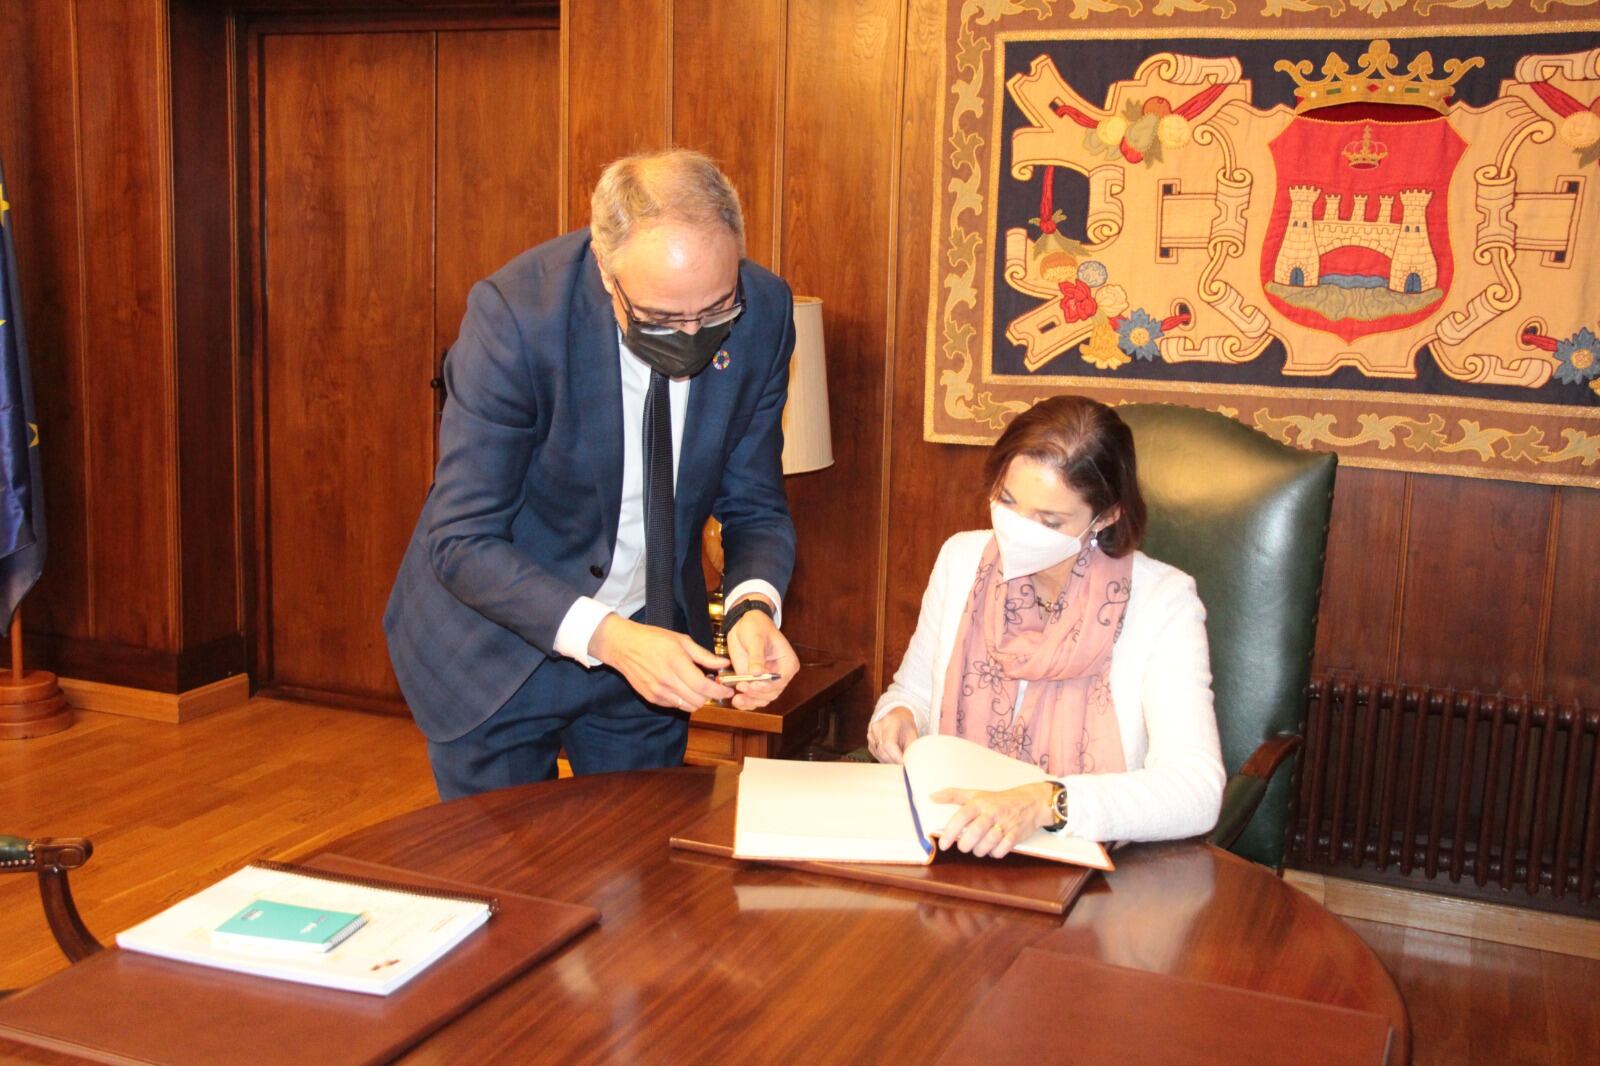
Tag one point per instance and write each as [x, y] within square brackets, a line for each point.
[610, 389]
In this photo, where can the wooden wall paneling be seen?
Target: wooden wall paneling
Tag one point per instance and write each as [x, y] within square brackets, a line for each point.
[203, 278]
[618, 88]
[1357, 624]
[38, 144]
[841, 129]
[734, 111]
[1572, 662]
[1474, 596]
[347, 188]
[498, 159]
[128, 412]
[251, 320]
[934, 489]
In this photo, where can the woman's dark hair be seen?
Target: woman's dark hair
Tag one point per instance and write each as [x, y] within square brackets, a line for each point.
[1084, 442]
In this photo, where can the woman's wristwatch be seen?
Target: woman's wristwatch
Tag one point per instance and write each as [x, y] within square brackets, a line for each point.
[1058, 806]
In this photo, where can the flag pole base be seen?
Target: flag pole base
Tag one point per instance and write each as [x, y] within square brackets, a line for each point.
[33, 706]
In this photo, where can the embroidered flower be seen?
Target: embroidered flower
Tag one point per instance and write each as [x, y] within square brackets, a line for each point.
[1112, 130]
[1013, 740]
[1077, 303]
[1102, 350]
[1113, 299]
[1581, 129]
[1579, 356]
[1026, 600]
[987, 674]
[1174, 131]
[1093, 273]
[1139, 333]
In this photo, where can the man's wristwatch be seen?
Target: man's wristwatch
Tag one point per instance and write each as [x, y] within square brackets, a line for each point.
[743, 607]
[1058, 806]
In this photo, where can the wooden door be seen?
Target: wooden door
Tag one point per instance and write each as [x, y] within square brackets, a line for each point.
[396, 168]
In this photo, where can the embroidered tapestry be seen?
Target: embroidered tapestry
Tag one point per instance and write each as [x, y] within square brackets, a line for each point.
[1363, 225]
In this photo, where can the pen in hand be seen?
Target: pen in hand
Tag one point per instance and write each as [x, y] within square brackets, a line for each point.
[728, 678]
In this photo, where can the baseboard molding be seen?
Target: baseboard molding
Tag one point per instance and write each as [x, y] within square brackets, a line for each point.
[173, 707]
[1559, 933]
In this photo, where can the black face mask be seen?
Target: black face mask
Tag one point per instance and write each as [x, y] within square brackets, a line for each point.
[676, 354]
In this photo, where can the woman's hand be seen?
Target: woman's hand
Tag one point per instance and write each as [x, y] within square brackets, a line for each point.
[888, 736]
[992, 823]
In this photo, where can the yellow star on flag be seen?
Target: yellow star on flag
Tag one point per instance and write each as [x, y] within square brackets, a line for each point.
[33, 427]
[5, 205]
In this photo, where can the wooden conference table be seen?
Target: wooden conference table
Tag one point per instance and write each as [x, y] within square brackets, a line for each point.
[704, 959]
[699, 958]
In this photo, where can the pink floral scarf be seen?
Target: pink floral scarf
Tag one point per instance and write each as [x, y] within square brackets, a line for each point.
[1066, 723]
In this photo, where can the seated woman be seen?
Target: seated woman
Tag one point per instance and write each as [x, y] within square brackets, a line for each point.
[1052, 639]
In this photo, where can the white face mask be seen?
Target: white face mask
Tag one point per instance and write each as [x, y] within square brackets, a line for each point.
[1026, 546]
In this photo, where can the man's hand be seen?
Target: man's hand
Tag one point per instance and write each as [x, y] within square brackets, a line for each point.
[992, 823]
[888, 736]
[666, 668]
[756, 646]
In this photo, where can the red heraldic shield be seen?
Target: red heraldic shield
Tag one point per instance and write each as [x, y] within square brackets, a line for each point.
[1359, 241]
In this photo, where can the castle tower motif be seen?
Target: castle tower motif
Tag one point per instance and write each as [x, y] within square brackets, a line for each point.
[1412, 267]
[1298, 258]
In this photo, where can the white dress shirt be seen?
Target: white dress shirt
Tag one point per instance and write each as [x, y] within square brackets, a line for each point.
[1160, 691]
[623, 590]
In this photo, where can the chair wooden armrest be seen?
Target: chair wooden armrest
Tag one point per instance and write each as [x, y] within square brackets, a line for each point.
[51, 858]
[1244, 790]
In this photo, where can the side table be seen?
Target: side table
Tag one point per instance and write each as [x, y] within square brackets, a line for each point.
[721, 735]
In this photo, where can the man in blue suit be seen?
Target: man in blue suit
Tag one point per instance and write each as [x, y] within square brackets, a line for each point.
[610, 389]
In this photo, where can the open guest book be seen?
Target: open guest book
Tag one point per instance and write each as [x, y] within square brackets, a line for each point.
[879, 813]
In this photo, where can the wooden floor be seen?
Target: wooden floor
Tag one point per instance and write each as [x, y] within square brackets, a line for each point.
[172, 808]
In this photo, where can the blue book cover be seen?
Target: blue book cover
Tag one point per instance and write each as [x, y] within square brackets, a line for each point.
[266, 924]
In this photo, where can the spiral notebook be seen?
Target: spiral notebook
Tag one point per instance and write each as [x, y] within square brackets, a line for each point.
[405, 929]
[123, 1006]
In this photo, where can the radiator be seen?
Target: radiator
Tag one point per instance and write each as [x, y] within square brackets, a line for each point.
[1486, 796]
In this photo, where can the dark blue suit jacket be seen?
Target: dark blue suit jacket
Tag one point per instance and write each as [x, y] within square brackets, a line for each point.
[523, 510]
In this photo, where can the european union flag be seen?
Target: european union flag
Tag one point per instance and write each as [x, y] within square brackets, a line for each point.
[21, 487]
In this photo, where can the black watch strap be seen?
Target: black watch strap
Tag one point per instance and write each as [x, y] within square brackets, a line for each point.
[743, 607]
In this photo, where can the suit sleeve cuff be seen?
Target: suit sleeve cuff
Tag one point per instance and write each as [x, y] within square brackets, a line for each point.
[577, 629]
[756, 586]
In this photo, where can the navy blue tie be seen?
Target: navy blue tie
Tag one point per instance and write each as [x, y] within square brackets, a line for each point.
[658, 547]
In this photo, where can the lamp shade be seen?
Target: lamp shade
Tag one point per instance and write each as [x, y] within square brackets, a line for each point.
[807, 435]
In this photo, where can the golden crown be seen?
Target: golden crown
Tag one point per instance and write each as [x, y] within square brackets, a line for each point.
[1377, 82]
[1365, 153]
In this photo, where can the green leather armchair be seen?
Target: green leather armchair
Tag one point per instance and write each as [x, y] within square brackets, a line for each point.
[1247, 516]
[51, 858]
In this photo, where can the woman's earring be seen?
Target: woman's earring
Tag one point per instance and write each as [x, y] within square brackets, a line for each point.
[1094, 540]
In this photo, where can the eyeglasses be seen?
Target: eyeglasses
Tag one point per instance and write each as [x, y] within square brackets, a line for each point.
[661, 325]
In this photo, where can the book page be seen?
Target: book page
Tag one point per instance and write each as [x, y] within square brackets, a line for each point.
[826, 811]
[403, 933]
[941, 761]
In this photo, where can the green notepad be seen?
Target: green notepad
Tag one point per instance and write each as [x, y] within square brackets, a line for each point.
[267, 925]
